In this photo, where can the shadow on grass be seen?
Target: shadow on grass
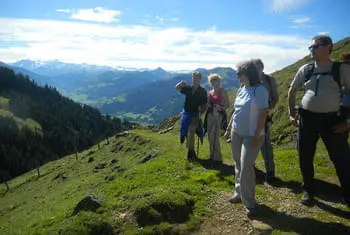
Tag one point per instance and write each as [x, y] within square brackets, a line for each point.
[225, 170]
[294, 186]
[333, 210]
[328, 191]
[323, 190]
[288, 223]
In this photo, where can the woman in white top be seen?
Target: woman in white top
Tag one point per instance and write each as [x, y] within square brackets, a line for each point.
[247, 130]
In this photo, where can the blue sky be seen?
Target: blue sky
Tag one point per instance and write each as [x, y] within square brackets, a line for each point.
[172, 34]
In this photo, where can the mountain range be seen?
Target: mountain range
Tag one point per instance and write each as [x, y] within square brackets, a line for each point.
[145, 96]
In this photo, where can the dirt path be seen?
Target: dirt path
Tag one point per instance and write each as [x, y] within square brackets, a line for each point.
[285, 214]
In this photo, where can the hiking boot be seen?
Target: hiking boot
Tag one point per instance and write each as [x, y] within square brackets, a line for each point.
[182, 139]
[270, 177]
[307, 199]
[235, 199]
[251, 212]
[191, 155]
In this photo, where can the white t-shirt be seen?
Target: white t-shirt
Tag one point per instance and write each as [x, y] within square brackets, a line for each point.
[247, 104]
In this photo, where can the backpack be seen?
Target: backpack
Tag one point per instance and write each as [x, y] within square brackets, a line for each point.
[335, 72]
[271, 87]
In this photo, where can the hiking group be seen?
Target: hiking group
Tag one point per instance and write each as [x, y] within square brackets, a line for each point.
[324, 112]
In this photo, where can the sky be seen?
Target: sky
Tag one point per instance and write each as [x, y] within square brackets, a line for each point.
[172, 34]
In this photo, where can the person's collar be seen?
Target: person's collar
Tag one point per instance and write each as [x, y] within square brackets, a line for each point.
[323, 63]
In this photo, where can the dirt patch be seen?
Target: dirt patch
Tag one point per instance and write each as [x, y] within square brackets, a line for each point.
[281, 211]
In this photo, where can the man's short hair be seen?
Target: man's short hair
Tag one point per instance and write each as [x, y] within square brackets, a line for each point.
[325, 40]
[197, 74]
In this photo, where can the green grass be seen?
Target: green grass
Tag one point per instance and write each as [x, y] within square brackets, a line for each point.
[41, 204]
[163, 195]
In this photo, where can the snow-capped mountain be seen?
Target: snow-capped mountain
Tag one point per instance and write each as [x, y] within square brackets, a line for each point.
[55, 67]
[38, 78]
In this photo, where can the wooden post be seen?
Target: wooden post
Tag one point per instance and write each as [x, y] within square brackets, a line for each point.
[37, 168]
[7, 186]
[6, 183]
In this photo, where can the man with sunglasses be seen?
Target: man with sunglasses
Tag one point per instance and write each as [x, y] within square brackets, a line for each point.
[319, 116]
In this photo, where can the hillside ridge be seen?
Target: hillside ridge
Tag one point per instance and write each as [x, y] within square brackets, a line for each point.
[144, 185]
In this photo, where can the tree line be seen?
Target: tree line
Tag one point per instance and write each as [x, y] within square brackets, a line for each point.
[38, 124]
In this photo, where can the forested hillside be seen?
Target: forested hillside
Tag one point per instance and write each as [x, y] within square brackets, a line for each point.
[38, 124]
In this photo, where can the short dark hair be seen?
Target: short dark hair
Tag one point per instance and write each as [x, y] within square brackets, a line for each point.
[197, 74]
[259, 63]
[325, 40]
[249, 69]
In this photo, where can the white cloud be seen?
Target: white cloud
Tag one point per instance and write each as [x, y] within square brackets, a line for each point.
[302, 20]
[302, 23]
[284, 5]
[173, 48]
[64, 10]
[159, 20]
[97, 14]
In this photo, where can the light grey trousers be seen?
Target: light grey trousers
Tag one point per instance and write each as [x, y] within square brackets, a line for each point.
[244, 156]
[213, 130]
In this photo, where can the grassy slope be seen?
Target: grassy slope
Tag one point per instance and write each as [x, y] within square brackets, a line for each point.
[139, 200]
[145, 194]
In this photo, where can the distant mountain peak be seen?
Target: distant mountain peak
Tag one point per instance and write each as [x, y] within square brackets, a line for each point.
[159, 69]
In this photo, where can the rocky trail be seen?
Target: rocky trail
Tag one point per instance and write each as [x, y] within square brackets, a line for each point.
[281, 211]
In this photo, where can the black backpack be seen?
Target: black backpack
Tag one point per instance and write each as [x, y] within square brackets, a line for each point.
[335, 72]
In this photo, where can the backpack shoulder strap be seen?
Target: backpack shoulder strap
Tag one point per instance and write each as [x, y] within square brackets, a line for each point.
[336, 73]
[268, 79]
[310, 71]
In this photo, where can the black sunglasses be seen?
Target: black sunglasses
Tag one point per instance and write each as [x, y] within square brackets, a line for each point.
[315, 46]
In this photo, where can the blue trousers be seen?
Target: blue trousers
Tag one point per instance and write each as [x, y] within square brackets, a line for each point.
[312, 126]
